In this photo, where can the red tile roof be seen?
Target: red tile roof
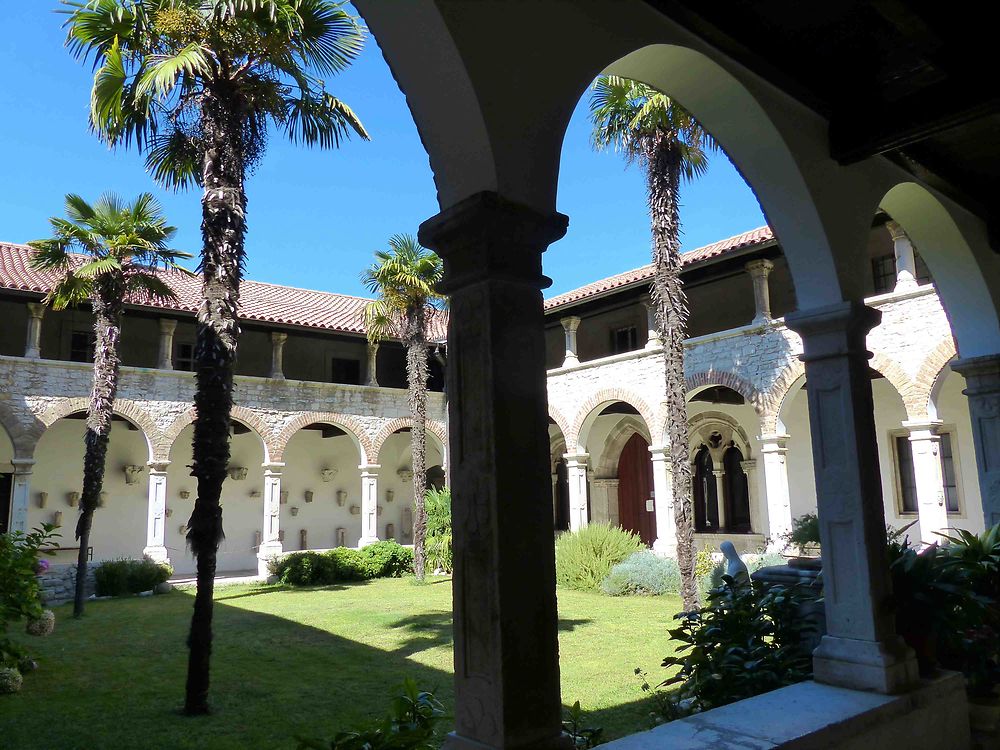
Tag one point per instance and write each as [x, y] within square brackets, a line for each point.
[753, 238]
[266, 303]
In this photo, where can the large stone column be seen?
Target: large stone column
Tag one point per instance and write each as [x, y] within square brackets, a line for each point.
[932, 509]
[570, 325]
[906, 262]
[20, 493]
[505, 620]
[369, 505]
[270, 539]
[861, 649]
[774, 453]
[277, 355]
[33, 343]
[576, 477]
[759, 270]
[166, 359]
[652, 333]
[604, 500]
[663, 500]
[720, 496]
[982, 388]
[371, 377]
[156, 511]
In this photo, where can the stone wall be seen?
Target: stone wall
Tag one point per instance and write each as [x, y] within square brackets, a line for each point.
[59, 583]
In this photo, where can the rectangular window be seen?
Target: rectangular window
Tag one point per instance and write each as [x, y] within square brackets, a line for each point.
[184, 357]
[908, 480]
[345, 371]
[884, 273]
[82, 345]
[624, 340]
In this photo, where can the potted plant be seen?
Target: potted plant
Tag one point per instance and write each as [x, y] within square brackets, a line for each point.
[804, 539]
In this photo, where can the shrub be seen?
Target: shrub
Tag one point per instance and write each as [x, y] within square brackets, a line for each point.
[387, 559]
[10, 680]
[43, 625]
[805, 531]
[744, 642]
[584, 558]
[20, 594]
[350, 564]
[643, 573]
[127, 576]
[306, 569]
[439, 553]
[412, 724]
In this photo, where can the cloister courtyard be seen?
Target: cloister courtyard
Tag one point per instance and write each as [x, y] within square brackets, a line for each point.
[305, 662]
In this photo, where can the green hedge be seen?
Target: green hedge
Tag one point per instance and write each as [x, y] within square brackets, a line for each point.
[584, 558]
[125, 576]
[386, 559]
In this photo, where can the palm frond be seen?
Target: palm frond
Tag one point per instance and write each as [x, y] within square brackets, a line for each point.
[162, 72]
[174, 159]
[70, 290]
[320, 119]
[50, 255]
[148, 287]
[329, 39]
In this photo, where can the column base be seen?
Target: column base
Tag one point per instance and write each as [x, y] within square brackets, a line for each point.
[889, 667]
[455, 741]
[267, 552]
[665, 547]
[366, 540]
[156, 554]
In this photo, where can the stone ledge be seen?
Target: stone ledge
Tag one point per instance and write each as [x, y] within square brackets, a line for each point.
[811, 716]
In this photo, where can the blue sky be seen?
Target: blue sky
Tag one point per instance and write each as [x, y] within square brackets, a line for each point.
[315, 217]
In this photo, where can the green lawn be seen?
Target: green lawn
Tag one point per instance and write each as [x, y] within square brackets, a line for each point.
[304, 661]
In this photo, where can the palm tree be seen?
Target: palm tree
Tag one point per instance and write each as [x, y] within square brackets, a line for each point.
[121, 244]
[404, 278]
[649, 127]
[196, 85]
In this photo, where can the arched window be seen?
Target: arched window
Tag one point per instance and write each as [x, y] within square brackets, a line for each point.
[704, 492]
[737, 492]
[562, 496]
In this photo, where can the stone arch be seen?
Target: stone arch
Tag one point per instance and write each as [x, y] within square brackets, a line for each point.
[239, 413]
[929, 377]
[22, 427]
[125, 408]
[561, 422]
[958, 254]
[435, 429]
[914, 400]
[590, 409]
[735, 432]
[354, 428]
[777, 396]
[706, 378]
[607, 464]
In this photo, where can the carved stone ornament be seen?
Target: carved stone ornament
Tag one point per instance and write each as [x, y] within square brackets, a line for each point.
[293, 510]
[405, 474]
[237, 473]
[283, 497]
[43, 499]
[184, 494]
[390, 531]
[255, 493]
[355, 510]
[390, 496]
[341, 536]
[132, 473]
[341, 497]
[168, 512]
[328, 474]
[73, 499]
[57, 518]
[102, 499]
[378, 510]
[309, 496]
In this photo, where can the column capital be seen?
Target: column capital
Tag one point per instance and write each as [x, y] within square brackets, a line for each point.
[748, 465]
[659, 452]
[570, 322]
[370, 468]
[928, 425]
[279, 337]
[23, 465]
[36, 309]
[273, 467]
[759, 267]
[984, 369]
[157, 467]
[579, 459]
[896, 230]
[773, 443]
[834, 330]
[719, 472]
[167, 325]
[486, 236]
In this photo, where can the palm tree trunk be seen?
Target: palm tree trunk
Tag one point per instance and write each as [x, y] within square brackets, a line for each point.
[223, 230]
[107, 303]
[663, 185]
[416, 377]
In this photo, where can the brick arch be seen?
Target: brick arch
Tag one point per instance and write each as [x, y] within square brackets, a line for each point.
[913, 399]
[604, 396]
[22, 427]
[354, 429]
[729, 380]
[774, 398]
[393, 426]
[606, 464]
[126, 408]
[240, 413]
[931, 368]
[561, 422]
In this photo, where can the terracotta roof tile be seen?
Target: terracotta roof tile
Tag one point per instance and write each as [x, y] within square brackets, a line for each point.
[754, 237]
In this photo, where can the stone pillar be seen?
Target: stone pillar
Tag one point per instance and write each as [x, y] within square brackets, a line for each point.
[156, 511]
[20, 494]
[663, 500]
[774, 452]
[861, 649]
[605, 497]
[33, 345]
[652, 332]
[166, 358]
[576, 477]
[982, 388]
[505, 620]
[570, 325]
[555, 496]
[932, 509]
[369, 505]
[720, 494]
[749, 469]
[759, 270]
[277, 354]
[906, 264]
[371, 378]
[270, 539]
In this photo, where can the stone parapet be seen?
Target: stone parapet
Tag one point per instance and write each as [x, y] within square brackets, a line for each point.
[58, 583]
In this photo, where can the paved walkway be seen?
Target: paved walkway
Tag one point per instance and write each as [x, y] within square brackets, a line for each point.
[225, 577]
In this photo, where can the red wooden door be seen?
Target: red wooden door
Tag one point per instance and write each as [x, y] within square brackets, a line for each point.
[635, 488]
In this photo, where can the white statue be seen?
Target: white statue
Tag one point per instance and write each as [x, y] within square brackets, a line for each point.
[735, 567]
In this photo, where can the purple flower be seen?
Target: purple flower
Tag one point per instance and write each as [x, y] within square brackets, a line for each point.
[41, 566]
